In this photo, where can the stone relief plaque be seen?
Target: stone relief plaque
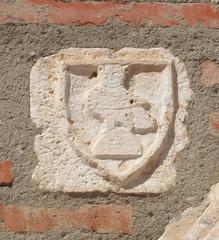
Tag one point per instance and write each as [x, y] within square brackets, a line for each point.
[108, 120]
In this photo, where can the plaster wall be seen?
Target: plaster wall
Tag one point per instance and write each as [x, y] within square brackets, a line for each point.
[197, 165]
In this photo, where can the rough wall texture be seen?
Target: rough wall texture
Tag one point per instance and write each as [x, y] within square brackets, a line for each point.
[145, 217]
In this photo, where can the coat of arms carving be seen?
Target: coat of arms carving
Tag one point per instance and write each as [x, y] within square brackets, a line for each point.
[108, 120]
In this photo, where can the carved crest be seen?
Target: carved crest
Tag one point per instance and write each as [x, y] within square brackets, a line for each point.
[110, 121]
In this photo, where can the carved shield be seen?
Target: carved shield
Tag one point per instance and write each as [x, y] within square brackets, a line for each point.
[114, 114]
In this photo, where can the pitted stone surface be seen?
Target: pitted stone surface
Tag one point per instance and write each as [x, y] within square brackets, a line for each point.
[108, 121]
[200, 223]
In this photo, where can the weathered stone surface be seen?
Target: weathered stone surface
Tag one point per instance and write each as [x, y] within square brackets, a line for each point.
[200, 223]
[108, 121]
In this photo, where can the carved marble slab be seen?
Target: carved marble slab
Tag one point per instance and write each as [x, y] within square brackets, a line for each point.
[108, 120]
[200, 223]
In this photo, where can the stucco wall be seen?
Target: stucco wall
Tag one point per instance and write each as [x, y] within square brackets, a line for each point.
[21, 44]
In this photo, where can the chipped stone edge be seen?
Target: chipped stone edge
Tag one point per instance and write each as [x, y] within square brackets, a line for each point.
[193, 222]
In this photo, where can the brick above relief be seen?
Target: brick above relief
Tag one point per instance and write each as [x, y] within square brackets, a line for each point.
[97, 13]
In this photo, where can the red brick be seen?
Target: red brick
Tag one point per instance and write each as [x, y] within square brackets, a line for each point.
[6, 176]
[214, 124]
[203, 13]
[4, 19]
[77, 12]
[100, 218]
[210, 74]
